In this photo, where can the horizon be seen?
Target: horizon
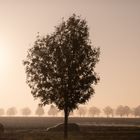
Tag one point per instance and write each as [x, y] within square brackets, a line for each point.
[75, 113]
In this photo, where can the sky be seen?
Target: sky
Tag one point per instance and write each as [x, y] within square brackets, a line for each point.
[114, 26]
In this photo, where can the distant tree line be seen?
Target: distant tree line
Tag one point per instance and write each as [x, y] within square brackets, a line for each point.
[26, 111]
[120, 111]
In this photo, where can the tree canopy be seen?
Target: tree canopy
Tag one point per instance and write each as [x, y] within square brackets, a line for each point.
[63, 63]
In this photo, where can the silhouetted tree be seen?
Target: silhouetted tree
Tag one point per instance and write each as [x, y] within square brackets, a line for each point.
[39, 111]
[136, 111]
[26, 111]
[11, 111]
[60, 67]
[1, 111]
[81, 111]
[53, 111]
[120, 111]
[127, 110]
[70, 114]
[94, 111]
[108, 111]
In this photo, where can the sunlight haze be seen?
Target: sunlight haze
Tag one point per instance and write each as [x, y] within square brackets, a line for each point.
[114, 26]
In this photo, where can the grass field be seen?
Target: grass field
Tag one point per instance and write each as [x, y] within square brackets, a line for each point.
[34, 128]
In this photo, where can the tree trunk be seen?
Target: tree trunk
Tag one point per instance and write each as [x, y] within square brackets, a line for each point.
[66, 115]
[66, 123]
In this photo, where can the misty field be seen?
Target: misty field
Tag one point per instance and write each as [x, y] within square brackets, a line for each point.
[35, 128]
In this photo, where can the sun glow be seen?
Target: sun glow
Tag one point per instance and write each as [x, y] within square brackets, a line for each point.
[4, 58]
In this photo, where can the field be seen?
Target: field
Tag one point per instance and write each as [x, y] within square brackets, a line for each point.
[35, 128]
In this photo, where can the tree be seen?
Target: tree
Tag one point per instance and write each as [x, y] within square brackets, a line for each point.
[26, 111]
[108, 111]
[60, 67]
[39, 111]
[82, 111]
[1, 111]
[136, 111]
[127, 110]
[94, 111]
[11, 111]
[53, 111]
[120, 111]
[70, 114]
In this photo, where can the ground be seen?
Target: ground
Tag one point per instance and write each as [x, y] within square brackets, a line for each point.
[35, 128]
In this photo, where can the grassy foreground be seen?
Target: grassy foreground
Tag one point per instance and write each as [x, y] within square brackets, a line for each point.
[90, 129]
[86, 133]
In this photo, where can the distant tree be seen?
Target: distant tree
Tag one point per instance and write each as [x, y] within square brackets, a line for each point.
[26, 111]
[94, 111]
[108, 111]
[127, 110]
[39, 111]
[60, 67]
[81, 111]
[1, 111]
[136, 111]
[12, 111]
[120, 111]
[53, 111]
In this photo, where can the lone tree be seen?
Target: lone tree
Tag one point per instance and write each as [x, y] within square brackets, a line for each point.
[60, 67]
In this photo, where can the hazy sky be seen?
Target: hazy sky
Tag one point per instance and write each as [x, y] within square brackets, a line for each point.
[114, 26]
